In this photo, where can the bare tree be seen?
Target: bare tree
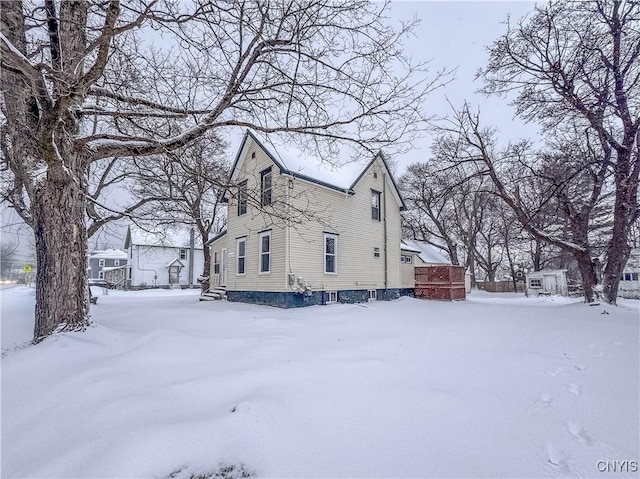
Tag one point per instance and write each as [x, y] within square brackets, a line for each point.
[555, 197]
[315, 68]
[184, 187]
[580, 61]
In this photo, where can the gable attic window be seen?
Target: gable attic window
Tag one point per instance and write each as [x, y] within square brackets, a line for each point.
[375, 205]
[242, 198]
[265, 186]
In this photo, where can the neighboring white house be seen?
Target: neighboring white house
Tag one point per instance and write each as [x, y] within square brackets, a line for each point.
[629, 286]
[162, 258]
[300, 232]
[549, 281]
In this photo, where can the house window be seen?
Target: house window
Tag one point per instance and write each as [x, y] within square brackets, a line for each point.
[116, 262]
[242, 254]
[375, 205]
[634, 276]
[101, 262]
[183, 254]
[265, 186]
[216, 262]
[373, 295]
[376, 252]
[535, 282]
[101, 275]
[627, 276]
[265, 252]
[242, 198]
[330, 253]
[330, 297]
[405, 258]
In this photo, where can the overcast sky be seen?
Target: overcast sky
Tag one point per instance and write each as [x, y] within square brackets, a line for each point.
[452, 34]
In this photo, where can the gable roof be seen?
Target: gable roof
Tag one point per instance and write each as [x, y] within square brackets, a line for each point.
[299, 164]
[109, 254]
[173, 238]
[426, 252]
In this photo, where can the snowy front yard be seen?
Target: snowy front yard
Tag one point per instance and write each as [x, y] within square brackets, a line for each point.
[499, 385]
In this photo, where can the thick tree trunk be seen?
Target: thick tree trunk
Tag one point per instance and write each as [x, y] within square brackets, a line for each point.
[61, 244]
[618, 251]
[588, 274]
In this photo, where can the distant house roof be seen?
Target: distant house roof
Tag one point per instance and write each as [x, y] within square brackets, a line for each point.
[169, 238]
[341, 174]
[426, 252]
[109, 254]
[222, 232]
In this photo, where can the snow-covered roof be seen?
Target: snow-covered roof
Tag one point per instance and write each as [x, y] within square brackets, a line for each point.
[169, 238]
[175, 261]
[341, 173]
[109, 254]
[113, 268]
[544, 272]
[426, 252]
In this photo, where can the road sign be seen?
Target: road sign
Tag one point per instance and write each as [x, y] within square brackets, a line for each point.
[26, 268]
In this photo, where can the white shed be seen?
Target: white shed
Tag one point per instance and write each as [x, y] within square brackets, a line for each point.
[629, 286]
[547, 281]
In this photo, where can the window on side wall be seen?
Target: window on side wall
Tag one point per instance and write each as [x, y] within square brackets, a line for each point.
[265, 252]
[101, 262]
[330, 253]
[535, 282]
[375, 205]
[265, 186]
[330, 297]
[116, 262]
[242, 254]
[634, 276]
[183, 254]
[242, 198]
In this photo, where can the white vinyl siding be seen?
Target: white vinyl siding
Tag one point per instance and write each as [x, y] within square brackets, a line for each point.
[350, 217]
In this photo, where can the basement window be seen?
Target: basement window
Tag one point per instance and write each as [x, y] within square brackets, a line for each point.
[330, 297]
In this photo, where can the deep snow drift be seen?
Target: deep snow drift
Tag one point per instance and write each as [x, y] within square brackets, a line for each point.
[498, 385]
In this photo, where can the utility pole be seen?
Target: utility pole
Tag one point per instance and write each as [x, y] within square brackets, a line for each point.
[192, 244]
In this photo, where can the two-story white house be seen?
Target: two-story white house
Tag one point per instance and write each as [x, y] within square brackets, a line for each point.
[162, 259]
[303, 233]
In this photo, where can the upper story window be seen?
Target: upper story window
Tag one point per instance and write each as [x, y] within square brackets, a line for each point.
[242, 198]
[330, 253]
[265, 252]
[405, 258]
[375, 205]
[183, 254]
[241, 254]
[101, 262]
[116, 262]
[265, 186]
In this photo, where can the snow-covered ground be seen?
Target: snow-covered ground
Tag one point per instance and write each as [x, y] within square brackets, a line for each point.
[496, 386]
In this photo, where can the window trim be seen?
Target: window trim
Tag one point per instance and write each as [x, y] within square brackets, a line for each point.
[334, 254]
[242, 239]
[261, 253]
[327, 297]
[266, 173]
[378, 196]
[242, 197]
